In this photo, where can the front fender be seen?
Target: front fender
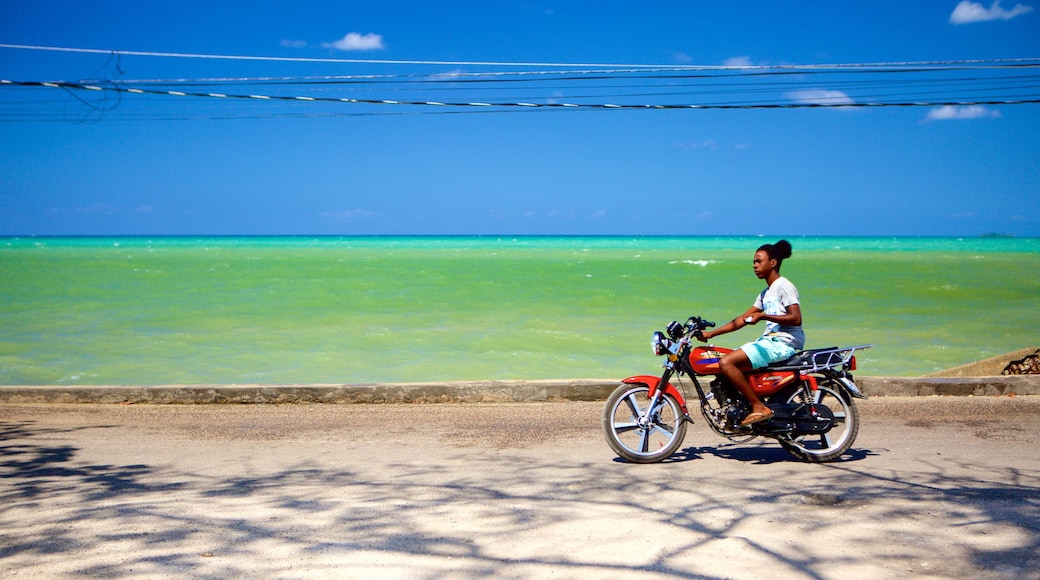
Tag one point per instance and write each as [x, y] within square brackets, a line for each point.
[654, 383]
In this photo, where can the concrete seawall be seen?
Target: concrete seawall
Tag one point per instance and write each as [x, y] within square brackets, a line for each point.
[462, 392]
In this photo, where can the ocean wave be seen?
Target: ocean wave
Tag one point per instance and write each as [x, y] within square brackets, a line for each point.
[701, 263]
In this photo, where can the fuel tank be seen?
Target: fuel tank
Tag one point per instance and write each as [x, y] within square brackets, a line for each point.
[705, 359]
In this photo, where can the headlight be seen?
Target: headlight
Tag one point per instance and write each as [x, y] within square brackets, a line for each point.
[660, 344]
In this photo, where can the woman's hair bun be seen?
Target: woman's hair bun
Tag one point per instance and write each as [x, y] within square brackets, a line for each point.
[779, 251]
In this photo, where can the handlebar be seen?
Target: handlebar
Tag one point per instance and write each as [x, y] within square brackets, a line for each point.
[700, 322]
[693, 327]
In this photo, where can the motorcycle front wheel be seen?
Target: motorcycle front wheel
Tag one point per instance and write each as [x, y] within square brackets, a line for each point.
[640, 434]
[823, 447]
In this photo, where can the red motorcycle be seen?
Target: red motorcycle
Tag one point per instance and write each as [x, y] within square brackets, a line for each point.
[811, 394]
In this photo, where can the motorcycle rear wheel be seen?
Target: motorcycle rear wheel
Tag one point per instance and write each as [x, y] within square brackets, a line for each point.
[639, 434]
[823, 447]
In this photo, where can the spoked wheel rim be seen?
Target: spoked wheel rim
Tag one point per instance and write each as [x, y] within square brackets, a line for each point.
[641, 436]
[832, 444]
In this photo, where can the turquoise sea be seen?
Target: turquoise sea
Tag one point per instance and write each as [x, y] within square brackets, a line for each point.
[189, 310]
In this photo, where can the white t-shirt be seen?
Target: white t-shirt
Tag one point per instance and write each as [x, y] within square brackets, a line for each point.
[774, 301]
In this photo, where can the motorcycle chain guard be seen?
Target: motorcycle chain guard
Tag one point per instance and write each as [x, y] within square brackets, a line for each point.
[797, 420]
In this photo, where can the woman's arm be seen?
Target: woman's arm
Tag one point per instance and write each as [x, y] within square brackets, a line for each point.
[735, 324]
[792, 318]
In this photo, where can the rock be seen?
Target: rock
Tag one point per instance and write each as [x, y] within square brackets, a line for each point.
[1028, 365]
[989, 367]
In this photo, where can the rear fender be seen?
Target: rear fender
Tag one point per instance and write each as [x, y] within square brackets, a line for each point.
[844, 380]
[851, 387]
[654, 383]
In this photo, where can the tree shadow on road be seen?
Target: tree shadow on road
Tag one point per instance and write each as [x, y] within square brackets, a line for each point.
[508, 513]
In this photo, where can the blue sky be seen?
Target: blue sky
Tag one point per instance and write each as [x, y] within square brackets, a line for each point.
[83, 162]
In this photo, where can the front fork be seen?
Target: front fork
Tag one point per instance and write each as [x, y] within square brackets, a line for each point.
[658, 386]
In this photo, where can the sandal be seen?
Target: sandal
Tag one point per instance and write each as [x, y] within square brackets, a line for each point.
[753, 418]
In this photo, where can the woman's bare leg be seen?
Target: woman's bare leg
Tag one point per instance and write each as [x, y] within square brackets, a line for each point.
[733, 365]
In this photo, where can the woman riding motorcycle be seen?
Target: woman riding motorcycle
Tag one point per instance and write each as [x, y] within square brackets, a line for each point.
[778, 305]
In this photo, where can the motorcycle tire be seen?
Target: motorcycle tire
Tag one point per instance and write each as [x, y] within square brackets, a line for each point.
[638, 434]
[824, 447]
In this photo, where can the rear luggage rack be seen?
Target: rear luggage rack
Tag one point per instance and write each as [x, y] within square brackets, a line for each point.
[810, 361]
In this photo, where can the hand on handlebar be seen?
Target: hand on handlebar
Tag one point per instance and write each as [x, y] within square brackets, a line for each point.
[700, 325]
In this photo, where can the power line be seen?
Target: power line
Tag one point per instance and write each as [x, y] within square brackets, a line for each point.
[837, 103]
[570, 87]
[308, 59]
[933, 63]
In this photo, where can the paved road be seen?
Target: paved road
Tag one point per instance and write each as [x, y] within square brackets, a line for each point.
[935, 487]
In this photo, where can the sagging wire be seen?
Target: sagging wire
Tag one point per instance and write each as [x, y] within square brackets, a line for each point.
[899, 64]
[613, 87]
[66, 85]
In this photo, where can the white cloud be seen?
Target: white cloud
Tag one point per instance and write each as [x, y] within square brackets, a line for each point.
[355, 41]
[948, 112]
[448, 76]
[561, 214]
[820, 97]
[96, 209]
[967, 12]
[294, 43]
[737, 61]
[704, 144]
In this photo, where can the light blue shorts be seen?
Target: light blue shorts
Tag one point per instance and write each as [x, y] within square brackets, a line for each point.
[765, 350]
